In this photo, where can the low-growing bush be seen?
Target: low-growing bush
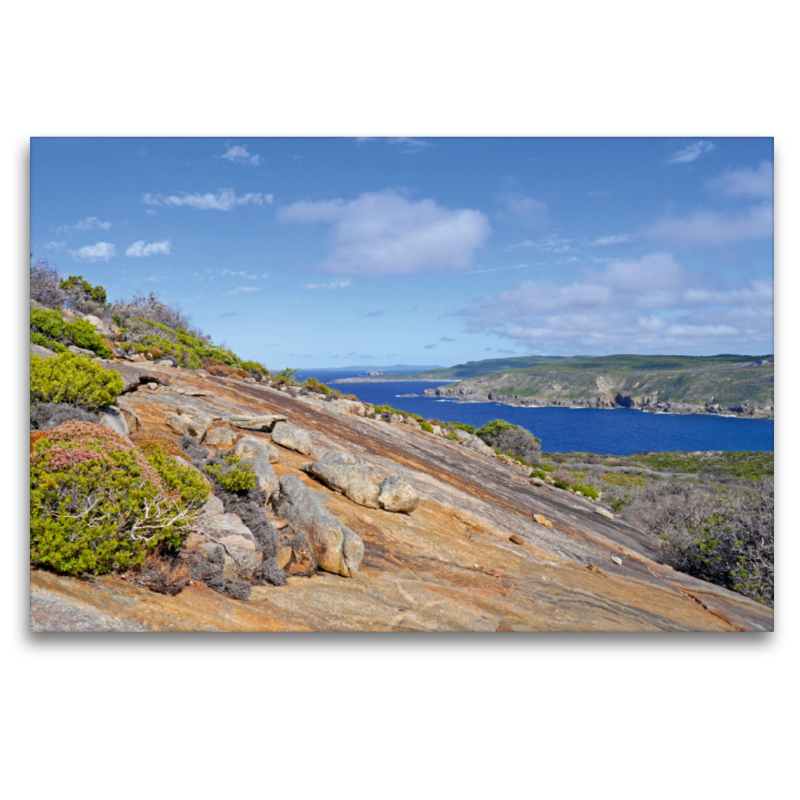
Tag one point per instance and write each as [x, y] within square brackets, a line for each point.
[50, 415]
[50, 328]
[587, 491]
[725, 537]
[511, 439]
[70, 378]
[563, 479]
[231, 474]
[426, 426]
[98, 505]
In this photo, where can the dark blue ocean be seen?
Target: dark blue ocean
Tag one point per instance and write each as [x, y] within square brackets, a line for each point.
[619, 431]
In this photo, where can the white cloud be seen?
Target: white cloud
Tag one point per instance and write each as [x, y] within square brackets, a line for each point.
[385, 234]
[551, 244]
[54, 245]
[690, 152]
[711, 227]
[151, 211]
[238, 154]
[649, 304]
[90, 223]
[224, 200]
[142, 249]
[243, 289]
[101, 251]
[745, 182]
[340, 283]
[604, 240]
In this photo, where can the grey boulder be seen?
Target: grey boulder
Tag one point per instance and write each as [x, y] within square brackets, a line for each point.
[292, 437]
[347, 474]
[397, 495]
[335, 547]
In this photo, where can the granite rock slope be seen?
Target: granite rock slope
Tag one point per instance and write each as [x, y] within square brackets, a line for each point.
[484, 549]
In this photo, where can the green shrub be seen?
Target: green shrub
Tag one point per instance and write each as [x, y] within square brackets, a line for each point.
[177, 478]
[286, 377]
[538, 473]
[233, 475]
[587, 491]
[426, 426]
[51, 326]
[513, 440]
[69, 378]
[50, 344]
[96, 504]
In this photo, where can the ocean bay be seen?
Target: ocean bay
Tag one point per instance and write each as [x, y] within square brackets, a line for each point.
[604, 431]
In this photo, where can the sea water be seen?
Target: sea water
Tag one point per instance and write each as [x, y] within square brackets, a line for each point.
[619, 431]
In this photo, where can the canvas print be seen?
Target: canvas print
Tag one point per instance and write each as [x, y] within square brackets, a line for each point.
[401, 384]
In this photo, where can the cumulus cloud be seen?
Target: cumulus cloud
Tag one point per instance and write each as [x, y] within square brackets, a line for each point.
[341, 283]
[54, 245]
[238, 154]
[223, 200]
[711, 227]
[385, 234]
[604, 240]
[745, 182]
[101, 251]
[141, 249]
[690, 152]
[239, 289]
[649, 304]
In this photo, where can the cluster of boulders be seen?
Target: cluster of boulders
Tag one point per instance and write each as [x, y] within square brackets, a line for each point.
[311, 538]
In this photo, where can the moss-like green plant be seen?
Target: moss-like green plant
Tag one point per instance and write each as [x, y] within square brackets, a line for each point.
[426, 426]
[96, 504]
[69, 378]
[233, 475]
[587, 491]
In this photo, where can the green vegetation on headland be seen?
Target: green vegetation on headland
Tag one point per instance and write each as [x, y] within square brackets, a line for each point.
[614, 363]
[742, 385]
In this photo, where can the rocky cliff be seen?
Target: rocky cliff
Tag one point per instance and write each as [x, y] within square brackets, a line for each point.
[479, 548]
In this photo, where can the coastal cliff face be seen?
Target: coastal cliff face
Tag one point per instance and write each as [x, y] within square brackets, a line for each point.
[743, 390]
[483, 549]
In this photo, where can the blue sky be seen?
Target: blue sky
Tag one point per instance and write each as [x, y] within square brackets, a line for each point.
[326, 252]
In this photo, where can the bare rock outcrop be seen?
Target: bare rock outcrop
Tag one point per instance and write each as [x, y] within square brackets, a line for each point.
[335, 547]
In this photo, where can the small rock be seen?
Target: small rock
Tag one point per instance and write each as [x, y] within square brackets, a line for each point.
[284, 556]
[542, 520]
[516, 539]
[397, 495]
[616, 560]
[536, 481]
[603, 512]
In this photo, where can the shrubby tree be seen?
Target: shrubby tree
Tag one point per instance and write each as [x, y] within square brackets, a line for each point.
[80, 295]
[505, 437]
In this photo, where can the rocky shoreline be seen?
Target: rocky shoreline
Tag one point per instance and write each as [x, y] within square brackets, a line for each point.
[648, 403]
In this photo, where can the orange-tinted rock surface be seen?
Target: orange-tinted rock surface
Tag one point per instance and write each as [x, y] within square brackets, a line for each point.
[485, 550]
